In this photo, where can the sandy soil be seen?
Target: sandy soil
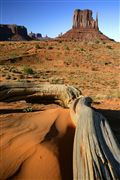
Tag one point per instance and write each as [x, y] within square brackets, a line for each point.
[36, 145]
[92, 67]
[39, 144]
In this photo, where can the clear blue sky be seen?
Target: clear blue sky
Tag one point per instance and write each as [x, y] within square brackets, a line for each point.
[52, 17]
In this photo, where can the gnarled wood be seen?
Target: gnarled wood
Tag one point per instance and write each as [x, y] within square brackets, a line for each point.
[96, 152]
[61, 94]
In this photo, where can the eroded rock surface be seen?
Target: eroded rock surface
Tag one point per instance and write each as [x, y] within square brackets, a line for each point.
[84, 19]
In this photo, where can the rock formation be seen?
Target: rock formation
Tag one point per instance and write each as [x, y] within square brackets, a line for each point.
[84, 19]
[84, 28]
[13, 32]
[35, 36]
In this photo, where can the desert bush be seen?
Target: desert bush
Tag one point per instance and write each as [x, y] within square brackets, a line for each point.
[50, 47]
[94, 68]
[28, 109]
[109, 47]
[67, 48]
[37, 46]
[97, 42]
[60, 41]
[28, 70]
[81, 49]
[13, 55]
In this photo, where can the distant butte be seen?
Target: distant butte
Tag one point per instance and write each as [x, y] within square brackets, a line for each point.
[13, 32]
[84, 28]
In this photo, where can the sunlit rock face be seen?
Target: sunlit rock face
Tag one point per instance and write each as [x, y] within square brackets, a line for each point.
[84, 19]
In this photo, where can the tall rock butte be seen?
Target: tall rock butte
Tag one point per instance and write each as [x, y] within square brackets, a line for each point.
[84, 28]
[83, 19]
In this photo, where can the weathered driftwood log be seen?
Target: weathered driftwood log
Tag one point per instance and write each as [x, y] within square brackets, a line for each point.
[30, 92]
[96, 152]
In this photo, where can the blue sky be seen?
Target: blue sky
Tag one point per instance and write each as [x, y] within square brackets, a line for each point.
[52, 17]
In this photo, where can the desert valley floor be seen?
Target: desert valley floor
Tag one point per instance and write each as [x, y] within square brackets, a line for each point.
[33, 134]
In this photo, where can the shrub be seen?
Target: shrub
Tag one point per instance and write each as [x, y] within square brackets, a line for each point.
[37, 46]
[28, 109]
[13, 55]
[60, 41]
[97, 41]
[28, 70]
[81, 49]
[50, 47]
[109, 47]
[67, 48]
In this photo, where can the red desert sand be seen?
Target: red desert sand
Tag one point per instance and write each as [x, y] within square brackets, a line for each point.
[37, 145]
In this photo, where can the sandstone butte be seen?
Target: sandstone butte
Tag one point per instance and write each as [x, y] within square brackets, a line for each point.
[13, 32]
[84, 28]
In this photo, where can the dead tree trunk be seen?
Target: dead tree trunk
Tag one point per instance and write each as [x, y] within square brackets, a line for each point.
[96, 152]
[61, 94]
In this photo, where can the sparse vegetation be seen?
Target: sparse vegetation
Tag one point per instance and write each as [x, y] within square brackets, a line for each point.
[50, 47]
[81, 49]
[109, 47]
[28, 109]
[13, 55]
[97, 41]
[91, 67]
[67, 48]
[28, 70]
[37, 46]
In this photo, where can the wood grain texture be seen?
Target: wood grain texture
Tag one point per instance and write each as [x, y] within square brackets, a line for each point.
[96, 152]
[61, 94]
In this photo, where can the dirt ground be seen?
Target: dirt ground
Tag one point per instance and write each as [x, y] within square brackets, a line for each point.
[93, 67]
[36, 139]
